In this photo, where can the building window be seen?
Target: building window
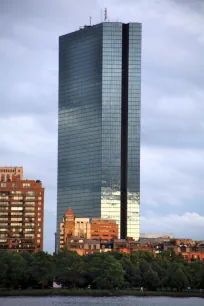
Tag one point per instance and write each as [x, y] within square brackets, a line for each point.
[29, 235]
[30, 198]
[16, 213]
[4, 213]
[16, 219]
[3, 208]
[26, 185]
[16, 224]
[3, 185]
[29, 208]
[16, 192]
[39, 198]
[39, 219]
[30, 203]
[39, 235]
[3, 240]
[4, 197]
[39, 208]
[29, 214]
[17, 198]
[31, 193]
[30, 225]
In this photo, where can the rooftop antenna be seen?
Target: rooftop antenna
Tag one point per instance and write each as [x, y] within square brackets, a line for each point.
[105, 15]
[90, 20]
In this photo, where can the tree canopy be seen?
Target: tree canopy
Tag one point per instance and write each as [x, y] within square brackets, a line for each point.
[104, 270]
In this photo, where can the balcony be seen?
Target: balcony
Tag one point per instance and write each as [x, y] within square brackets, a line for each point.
[29, 205]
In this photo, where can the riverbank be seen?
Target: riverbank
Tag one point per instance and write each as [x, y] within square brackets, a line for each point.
[96, 293]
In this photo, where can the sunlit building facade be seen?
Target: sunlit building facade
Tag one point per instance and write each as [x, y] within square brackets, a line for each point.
[99, 125]
[72, 227]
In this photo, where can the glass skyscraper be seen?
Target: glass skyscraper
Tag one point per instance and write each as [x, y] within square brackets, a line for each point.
[99, 124]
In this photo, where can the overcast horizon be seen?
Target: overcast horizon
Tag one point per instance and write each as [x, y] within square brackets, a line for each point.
[172, 105]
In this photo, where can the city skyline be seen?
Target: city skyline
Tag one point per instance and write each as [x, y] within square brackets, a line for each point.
[172, 125]
[99, 124]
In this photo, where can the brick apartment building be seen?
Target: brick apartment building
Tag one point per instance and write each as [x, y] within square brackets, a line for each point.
[21, 214]
[86, 229]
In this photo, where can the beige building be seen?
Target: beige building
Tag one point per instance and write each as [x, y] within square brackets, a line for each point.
[82, 228]
[6, 173]
[157, 236]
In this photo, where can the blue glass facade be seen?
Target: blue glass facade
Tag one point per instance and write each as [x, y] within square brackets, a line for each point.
[90, 141]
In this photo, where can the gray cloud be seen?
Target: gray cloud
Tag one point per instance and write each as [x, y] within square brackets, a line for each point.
[172, 99]
[188, 225]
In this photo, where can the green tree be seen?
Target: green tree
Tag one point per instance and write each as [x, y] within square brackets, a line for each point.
[104, 270]
[113, 277]
[176, 278]
[136, 257]
[3, 270]
[70, 269]
[151, 280]
[132, 274]
[42, 269]
[13, 269]
[159, 269]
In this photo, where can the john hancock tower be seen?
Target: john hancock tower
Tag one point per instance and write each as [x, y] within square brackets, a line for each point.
[99, 124]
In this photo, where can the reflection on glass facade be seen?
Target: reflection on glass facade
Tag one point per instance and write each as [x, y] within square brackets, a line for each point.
[134, 100]
[93, 88]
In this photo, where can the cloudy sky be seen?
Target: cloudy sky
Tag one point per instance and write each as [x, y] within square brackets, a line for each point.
[172, 143]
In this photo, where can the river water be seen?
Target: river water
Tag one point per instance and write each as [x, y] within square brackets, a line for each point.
[105, 301]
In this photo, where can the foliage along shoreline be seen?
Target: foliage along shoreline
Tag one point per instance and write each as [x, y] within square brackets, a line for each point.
[101, 271]
[97, 293]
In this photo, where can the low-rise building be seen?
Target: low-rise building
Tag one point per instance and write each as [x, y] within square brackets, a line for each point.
[91, 235]
[83, 246]
[86, 228]
[156, 236]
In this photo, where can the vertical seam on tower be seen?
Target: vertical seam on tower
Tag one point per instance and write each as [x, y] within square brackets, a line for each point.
[124, 131]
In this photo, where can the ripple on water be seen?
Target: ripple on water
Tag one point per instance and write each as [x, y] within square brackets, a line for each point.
[105, 301]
